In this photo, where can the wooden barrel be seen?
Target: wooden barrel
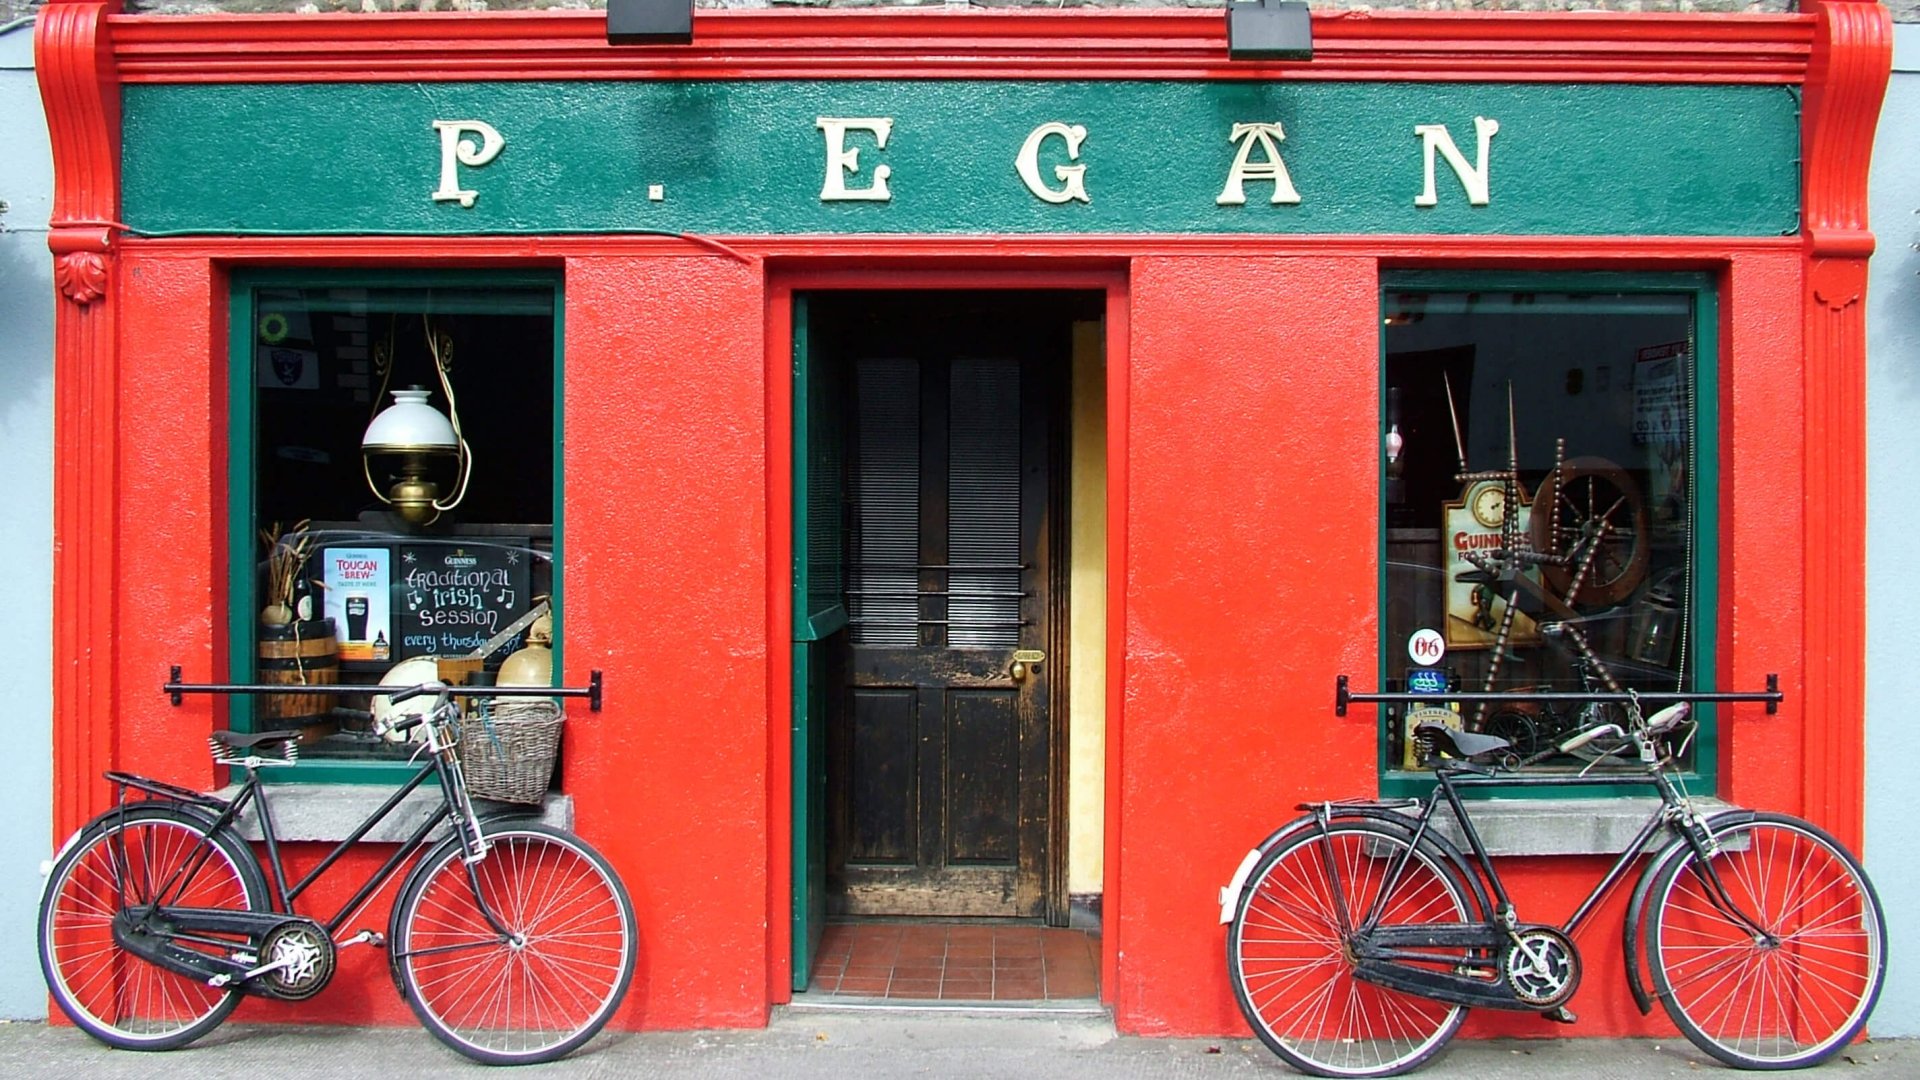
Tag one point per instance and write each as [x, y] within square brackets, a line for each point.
[300, 654]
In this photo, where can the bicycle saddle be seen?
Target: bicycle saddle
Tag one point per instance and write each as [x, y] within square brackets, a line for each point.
[1459, 744]
[243, 740]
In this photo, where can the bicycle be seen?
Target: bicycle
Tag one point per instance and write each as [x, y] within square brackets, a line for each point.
[512, 941]
[1359, 936]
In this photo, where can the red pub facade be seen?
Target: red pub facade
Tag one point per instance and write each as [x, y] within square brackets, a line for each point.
[971, 445]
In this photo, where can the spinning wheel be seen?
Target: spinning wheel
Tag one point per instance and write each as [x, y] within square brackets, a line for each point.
[1591, 524]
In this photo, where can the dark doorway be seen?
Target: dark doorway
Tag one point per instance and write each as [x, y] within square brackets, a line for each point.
[939, 795]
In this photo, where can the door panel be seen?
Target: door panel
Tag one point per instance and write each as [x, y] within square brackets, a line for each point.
[945, 809]
[983, 776]
[885, 776]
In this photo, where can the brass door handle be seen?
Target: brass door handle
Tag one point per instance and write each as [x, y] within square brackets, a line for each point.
[1024, 661]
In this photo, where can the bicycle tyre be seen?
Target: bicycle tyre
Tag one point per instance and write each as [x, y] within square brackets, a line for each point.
[109, 993]
[1759, 1006]
[1289, 966]
[505, 1003]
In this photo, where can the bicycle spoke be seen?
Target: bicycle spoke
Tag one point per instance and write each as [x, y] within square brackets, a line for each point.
[1793, 995]
[1291, 967]
[552, 984]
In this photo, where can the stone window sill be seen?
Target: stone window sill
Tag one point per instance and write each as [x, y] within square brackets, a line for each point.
[330, 812]
[1557, 826]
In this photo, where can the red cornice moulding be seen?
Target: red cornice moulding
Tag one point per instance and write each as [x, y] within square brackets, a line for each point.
[923, 44]
[1044, 252]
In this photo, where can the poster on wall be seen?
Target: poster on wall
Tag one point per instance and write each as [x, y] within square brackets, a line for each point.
[1474, 609]
[358, 600]
[1660, 415]
[452, 599]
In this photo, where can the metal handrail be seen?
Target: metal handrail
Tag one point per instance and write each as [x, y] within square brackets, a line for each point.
[174, 688]
[1342, 696]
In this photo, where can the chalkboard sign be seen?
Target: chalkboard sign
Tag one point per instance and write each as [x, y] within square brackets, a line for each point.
[449, 599]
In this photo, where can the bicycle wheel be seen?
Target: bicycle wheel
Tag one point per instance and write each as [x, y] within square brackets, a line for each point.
[1292, 971]
[110, 993]
[1793, 994]
[544, 991]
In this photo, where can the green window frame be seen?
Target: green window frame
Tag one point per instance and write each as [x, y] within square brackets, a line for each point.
[450, 291]
[1701, 293]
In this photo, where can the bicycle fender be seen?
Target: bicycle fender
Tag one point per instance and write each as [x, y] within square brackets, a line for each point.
[1630, 934]
[201, 814]
[1230, 892]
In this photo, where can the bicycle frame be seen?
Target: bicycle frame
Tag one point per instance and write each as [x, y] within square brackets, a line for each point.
[1674, 818]
[254, 792]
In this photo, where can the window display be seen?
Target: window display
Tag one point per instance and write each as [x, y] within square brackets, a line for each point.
[1542, 506]
[395, 459]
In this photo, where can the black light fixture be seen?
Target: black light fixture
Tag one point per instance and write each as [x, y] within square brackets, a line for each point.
[649, 22]
[1269, 30]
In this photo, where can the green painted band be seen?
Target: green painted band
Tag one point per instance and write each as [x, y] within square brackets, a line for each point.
[753, 158]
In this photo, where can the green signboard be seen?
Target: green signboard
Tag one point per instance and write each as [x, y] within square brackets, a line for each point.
[961, 158]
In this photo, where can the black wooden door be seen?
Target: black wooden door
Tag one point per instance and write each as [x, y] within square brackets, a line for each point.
[944, 804]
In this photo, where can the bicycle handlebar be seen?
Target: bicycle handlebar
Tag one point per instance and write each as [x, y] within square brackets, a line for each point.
[399, 696]
[1582, 738]
[409, 721]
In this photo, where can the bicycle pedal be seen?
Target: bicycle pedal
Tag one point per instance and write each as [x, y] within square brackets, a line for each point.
[1560, 1015]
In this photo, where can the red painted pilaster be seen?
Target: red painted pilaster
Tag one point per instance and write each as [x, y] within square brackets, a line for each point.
[1846, 78]
[82, 99]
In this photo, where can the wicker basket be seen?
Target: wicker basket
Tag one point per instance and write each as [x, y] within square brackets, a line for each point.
[507, 749]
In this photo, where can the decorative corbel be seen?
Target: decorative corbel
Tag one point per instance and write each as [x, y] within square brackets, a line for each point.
[81, 276]
[81, 89]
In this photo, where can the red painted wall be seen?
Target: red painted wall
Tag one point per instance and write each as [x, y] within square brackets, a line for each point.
[665, 568]
[1251, 580]
[1250, 583]
[664, 533]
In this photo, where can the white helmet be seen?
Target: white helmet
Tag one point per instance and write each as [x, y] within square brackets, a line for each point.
[420, 669]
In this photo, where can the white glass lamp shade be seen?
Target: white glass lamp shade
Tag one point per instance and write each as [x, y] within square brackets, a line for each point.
[407, 436]
[410, 425]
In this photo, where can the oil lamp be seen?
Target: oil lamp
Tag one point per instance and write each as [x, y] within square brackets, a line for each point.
[408, 440]
[411, 440]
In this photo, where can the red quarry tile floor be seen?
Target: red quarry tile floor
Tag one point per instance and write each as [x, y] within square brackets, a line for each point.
[917, 961]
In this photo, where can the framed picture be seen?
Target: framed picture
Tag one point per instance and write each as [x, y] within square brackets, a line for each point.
[1472, 524]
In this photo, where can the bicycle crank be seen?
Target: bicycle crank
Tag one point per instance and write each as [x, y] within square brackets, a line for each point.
[1542, 966]
[297, 960]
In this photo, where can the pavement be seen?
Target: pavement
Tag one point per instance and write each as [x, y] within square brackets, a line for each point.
[808, 1044]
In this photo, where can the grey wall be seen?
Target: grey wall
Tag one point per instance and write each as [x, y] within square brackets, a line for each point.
[1893, 523]
[26, 525]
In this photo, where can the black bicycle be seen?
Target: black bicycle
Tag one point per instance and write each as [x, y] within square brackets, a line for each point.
[1360, 936]
[513, 942]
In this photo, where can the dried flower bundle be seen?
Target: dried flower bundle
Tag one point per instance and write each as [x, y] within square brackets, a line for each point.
[287, 554]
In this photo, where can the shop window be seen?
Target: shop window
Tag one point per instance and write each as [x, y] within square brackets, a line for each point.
[394, 496]
[1547, 504]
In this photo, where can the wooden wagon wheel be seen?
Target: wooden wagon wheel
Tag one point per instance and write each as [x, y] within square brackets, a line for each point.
[1589, 513]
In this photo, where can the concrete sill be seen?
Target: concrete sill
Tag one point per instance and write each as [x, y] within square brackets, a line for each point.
[330, 812]
[1557, 826]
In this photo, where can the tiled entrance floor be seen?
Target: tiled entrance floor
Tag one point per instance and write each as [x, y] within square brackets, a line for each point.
[956, 962]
